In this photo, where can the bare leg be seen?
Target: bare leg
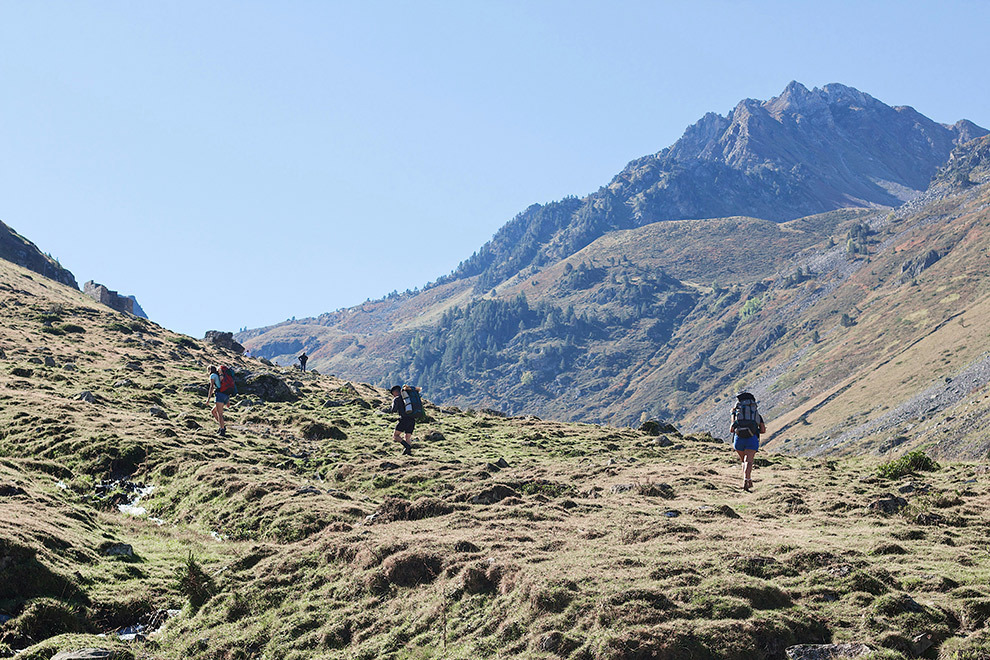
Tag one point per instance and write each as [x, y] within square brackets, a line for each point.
[218, 409]
[749, 457]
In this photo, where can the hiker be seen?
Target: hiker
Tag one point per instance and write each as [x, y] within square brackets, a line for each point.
[747, 425]
[220, 399]
[407, 423]
[302, 361]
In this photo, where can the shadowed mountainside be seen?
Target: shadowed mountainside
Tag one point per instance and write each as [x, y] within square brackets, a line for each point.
[21, 251]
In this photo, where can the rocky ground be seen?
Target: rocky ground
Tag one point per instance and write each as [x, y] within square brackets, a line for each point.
[127, 525]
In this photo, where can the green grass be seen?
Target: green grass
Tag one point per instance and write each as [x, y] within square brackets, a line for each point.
[278, 543]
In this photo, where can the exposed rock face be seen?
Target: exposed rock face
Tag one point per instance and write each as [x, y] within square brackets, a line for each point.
[137, 308]
[224, 340]
[111, 299]
[21, 251]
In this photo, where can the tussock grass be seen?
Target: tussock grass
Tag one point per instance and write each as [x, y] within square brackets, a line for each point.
[283, 541]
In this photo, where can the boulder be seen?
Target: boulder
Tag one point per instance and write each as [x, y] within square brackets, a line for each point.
[888, 504]
[268, 387]
[85, 396]
[123, 382]
[496, 493]
[158, 412]
[70, 366]
[118, 550]
[663, 441]
[655, 428]
[224, 340]
[49, 361]
[89, 654]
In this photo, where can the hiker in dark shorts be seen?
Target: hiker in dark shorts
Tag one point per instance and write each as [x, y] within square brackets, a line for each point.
[407, 423]
[747, 425]
[302, 361]
[220, 400]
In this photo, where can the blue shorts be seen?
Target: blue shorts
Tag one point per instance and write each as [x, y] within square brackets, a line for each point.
[741, 444]
[221, 397]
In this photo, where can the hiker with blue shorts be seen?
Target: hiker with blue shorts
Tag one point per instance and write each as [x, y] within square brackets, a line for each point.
[220, 400]
[747, 425]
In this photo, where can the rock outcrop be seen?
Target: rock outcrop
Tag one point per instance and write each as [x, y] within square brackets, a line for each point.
[224, 340]
[111, 299]
[21, 251]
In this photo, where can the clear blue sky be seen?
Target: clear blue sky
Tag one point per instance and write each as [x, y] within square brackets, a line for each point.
[238, 163]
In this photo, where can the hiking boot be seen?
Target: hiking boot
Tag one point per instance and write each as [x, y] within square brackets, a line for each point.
[222, 432]
[407, 451]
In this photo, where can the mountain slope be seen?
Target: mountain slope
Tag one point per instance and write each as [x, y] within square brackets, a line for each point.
[19, 250]
[801, 153]
[664, 320]
[303, 534]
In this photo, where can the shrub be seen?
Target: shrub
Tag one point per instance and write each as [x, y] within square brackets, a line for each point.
[914, 461]
[72, 328]
[193, 582]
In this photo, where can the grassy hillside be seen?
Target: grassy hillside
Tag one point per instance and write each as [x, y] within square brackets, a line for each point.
[304, 533]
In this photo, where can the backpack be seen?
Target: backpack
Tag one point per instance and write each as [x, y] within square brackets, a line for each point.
[227, 384]
[745, 416]
[413, 403]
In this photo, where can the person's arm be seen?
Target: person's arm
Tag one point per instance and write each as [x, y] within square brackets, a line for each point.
[212, 388]
[763, 426]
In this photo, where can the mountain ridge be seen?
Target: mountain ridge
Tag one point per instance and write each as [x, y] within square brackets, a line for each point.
[656, 320]
[21, 251]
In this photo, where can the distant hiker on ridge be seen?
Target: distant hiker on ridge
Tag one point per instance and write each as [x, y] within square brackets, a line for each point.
[747, 425]
[221, 387]
[302, 361]
[407, 404]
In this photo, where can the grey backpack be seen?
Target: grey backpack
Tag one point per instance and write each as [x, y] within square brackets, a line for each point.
[745, 416]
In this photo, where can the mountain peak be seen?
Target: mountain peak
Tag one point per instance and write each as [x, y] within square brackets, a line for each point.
[796, 98]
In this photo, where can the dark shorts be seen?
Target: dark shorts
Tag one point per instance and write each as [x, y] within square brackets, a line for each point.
[741, 444]
[405, 425]
[221, 397]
